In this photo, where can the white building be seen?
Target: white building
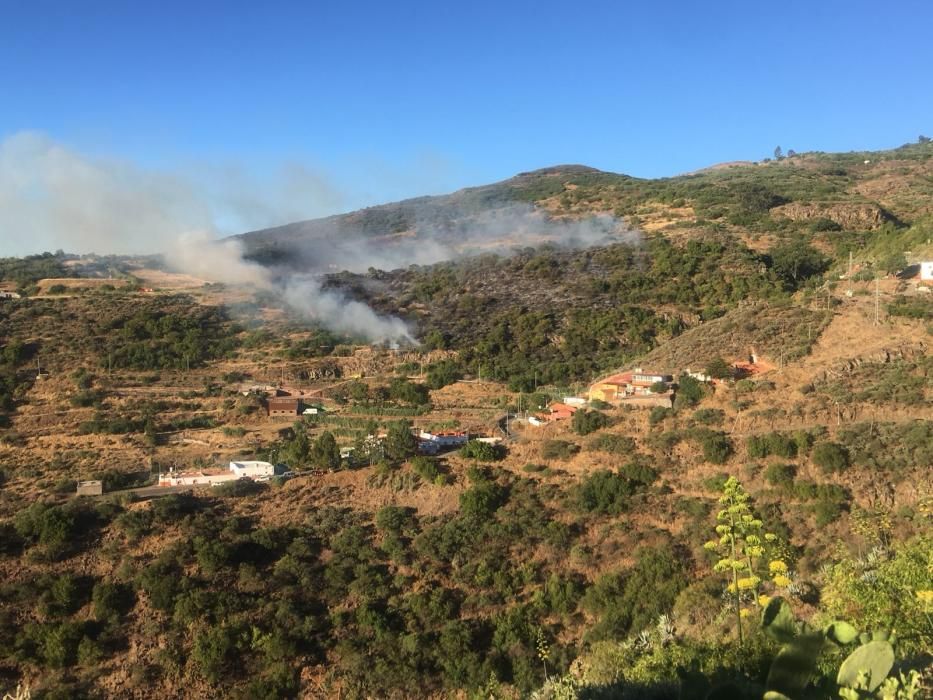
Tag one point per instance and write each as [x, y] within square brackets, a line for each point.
[926, 272]
[450, 438]
[252, 469]
[174, 478]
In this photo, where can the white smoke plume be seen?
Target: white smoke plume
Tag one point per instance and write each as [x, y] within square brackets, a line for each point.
[54, 197]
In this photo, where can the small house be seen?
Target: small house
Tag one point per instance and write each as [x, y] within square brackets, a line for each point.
[445, 439]
[628, 385]
[560, 411]
[253, 470]
[283, 406]
[926, 272]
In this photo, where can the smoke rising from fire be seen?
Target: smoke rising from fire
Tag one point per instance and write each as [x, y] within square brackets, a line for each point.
[54, 197]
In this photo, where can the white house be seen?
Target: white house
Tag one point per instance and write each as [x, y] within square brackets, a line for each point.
[450, 438]
[926, 272]
[174, 478]
[252, 470]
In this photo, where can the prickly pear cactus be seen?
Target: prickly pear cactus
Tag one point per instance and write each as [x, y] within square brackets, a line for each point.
[874, 660]
[841, 633]
[795, 664]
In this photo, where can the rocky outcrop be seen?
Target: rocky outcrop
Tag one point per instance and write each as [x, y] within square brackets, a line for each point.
[849, 215]
[902, 352]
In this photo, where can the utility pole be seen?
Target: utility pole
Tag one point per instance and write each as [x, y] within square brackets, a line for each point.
[877, 299]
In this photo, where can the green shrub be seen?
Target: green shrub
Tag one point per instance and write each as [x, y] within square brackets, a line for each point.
[111, 600]
[482, 500]
[709, 416]
[658, 414]
[558, 449]
[717, 448]
[585, 422]
[780, 474]
[830, 457]
[621, 445]
[690, 392]
[482, 451]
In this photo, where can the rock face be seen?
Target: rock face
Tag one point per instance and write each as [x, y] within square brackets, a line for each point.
[850, 216]
[884, 356]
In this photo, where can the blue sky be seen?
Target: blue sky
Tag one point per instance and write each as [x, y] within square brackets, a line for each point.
[384, 100]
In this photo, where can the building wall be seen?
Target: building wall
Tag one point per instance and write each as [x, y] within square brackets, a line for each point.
[252, 469]
[90, 488]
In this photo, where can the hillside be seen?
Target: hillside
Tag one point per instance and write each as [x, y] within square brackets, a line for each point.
[568, 559]
[809, 192]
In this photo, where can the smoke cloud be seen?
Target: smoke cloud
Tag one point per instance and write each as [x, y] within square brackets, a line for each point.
[54, 197]
[501, 231]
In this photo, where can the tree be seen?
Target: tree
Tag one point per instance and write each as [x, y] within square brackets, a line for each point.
[719, 369]
[358, 391]
[778, 153]
[791, 152]
[408, 392]
[400, 444]
[797, 260]
[586, 422]
[690, 392]
[324, 453]
[443, 373]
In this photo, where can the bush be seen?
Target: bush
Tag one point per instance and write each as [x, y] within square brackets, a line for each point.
[690, 392]
[604, 492]
[777, 444]
[443, 373]
[709, 416]
[214, 650]
[54, 527]
[426, 468]
[717, 448]
[482, 451]
[658, 414]
[239, 488]
[111, 600]
[780, 474]
[558, 449]
[613, 444]
[585, 422]
[619, 599]
[830, 457]
[482, 500]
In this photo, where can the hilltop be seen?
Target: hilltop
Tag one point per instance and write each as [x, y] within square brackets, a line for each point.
[813, 193]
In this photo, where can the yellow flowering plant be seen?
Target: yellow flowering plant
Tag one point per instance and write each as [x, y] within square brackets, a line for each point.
[741, 545]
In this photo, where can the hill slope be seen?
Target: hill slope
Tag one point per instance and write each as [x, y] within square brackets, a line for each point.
[811, 192]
